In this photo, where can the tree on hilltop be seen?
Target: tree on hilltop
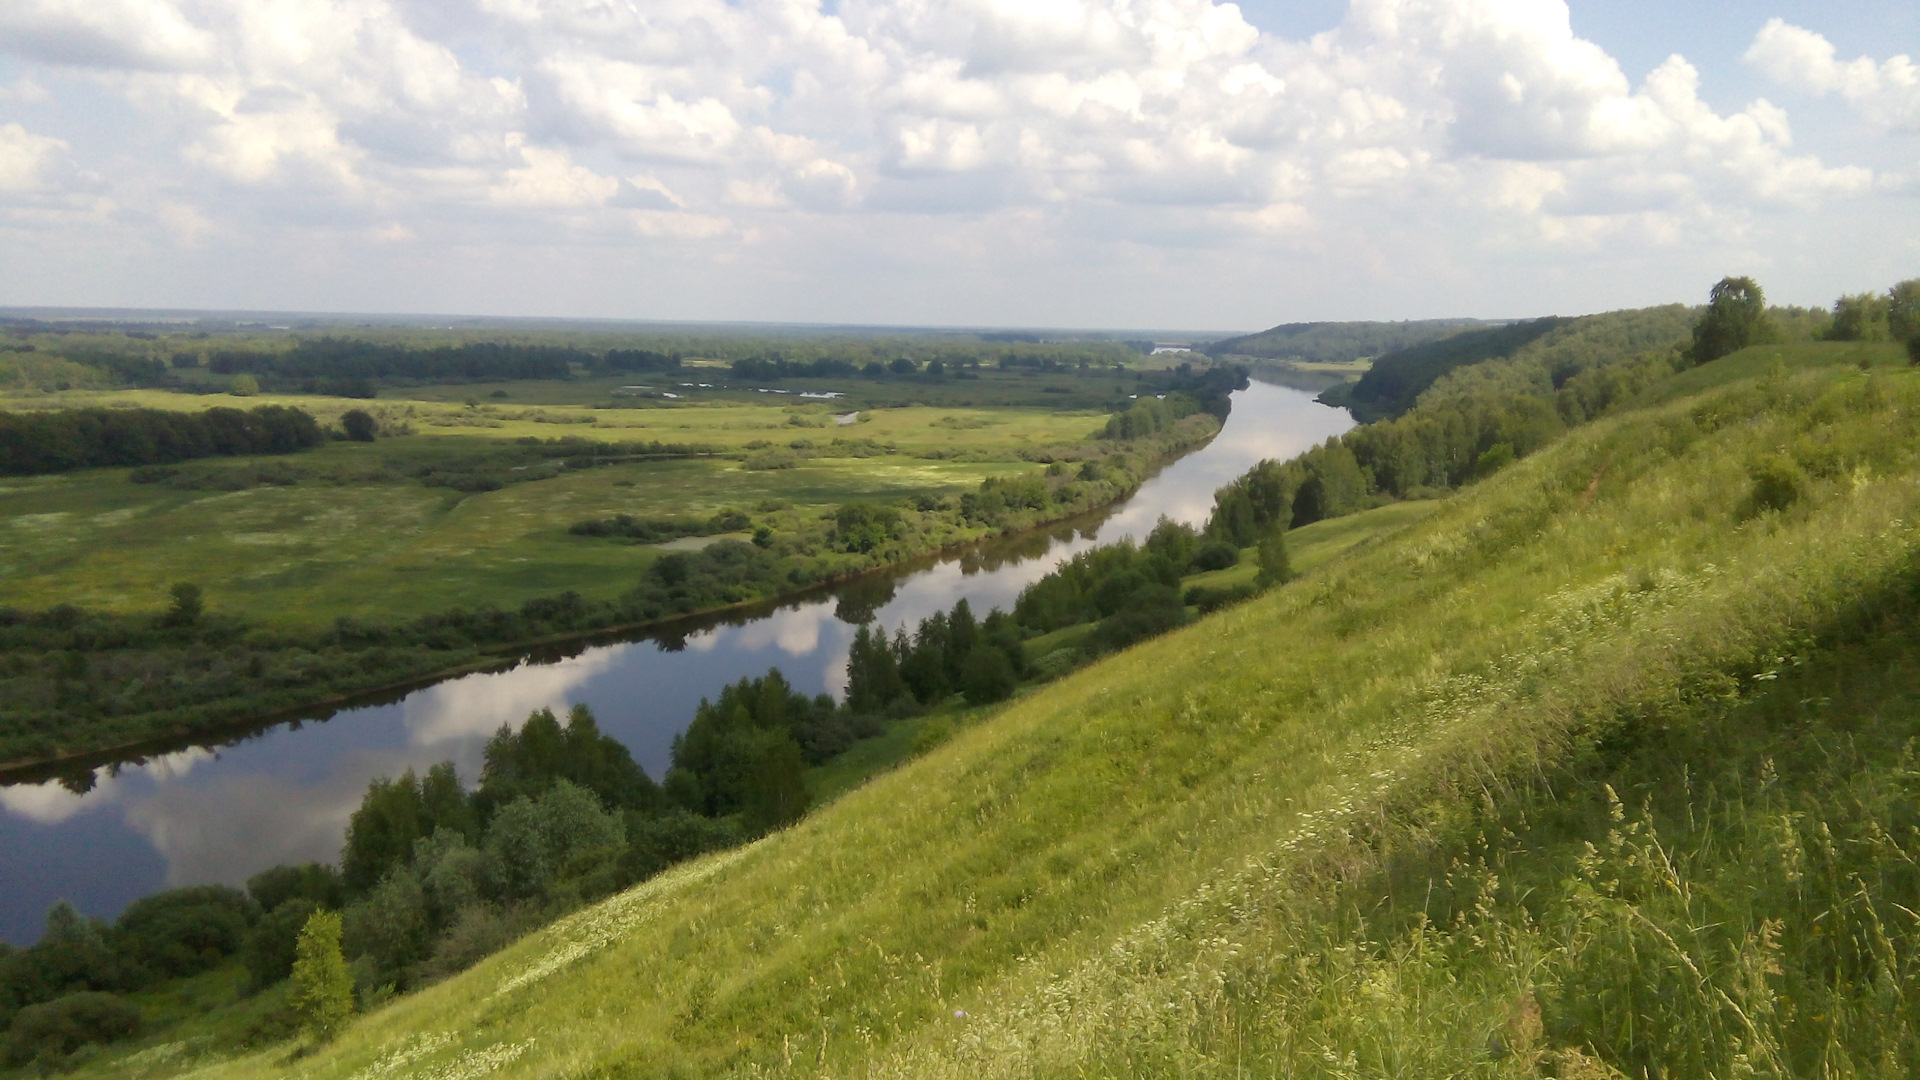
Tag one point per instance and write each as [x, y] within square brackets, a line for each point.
[1736, 317]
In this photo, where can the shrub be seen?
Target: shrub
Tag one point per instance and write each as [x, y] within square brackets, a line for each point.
[987, 676]
[1777, 484]
[57, 1028]
[183, 931]
[1276, 567]
[270, 947]
[1216, 555]
[358, 424]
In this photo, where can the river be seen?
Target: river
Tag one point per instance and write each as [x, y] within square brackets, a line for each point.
[284, 794]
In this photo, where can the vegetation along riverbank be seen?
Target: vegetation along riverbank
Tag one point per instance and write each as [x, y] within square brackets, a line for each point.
[205, 583]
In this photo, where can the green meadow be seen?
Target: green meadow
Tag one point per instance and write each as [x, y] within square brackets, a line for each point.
[353, 538]
[1601, 767]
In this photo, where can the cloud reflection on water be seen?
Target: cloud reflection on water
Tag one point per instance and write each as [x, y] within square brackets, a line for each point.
[476, 705]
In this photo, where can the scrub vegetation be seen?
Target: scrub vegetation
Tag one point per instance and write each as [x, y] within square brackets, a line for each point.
[1599, 764]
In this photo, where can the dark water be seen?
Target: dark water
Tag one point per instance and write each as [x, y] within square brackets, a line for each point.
[284, 794]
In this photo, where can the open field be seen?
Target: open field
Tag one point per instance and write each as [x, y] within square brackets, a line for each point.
[355, 536]
[1495, 795]
[313, 551]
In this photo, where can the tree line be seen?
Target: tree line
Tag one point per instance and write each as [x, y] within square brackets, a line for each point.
[33, 443]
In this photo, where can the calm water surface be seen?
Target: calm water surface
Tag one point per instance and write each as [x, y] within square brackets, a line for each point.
[284, 794]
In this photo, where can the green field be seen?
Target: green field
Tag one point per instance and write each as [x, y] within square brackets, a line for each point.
[1590, 770]
[342, 544]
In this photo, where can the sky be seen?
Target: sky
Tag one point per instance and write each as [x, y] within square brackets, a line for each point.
[1069, 163]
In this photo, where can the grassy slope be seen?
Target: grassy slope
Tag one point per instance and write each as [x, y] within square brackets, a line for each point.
[1084, 875]
[319, 550]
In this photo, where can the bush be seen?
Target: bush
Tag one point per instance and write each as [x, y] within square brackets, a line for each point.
[314, 882]
[1496, 457]
[51, 1031]
[1777, 484]
[987, 676]
[183, 931]
[358, 424]
[1216, 555]
[272, 944]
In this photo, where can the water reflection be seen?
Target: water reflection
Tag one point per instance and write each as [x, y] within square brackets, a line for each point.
[284, 794]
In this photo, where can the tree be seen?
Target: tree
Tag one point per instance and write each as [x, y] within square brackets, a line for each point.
[1903, 311]
[381, 833]
[243, 386]
[187, 606]
[1276, 568]
[358, 424]
[1736, 317]
[873, 678]
[1862, 317]
[777, 788]
[322, 994]
[988, 676]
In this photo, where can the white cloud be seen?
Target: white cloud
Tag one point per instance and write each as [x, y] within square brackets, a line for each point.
[29, 162]
[139, 34]
[551, 180]
[986, 131]
[1887, 93]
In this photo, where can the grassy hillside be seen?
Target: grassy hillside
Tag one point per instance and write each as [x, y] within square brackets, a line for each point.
[1596, 767]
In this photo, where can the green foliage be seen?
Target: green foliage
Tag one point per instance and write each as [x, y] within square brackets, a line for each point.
[528, 763]
[1903, 311]
[183, 931]
[1861, 317]
[1339, 342]
[742, 753]
[358, 424]
[1395, 381]
[987, 676]
[272, 944]
[873, 673]
[47, 1033]
[322, 987]
[863, 527]
[1150, 416]
[243, 386]
[532, 839]
[187, 606]
[1736, 317]
[34, 443]
[316, 883]
[1213, 555]
[1276, 568]
[1778, 482]
[1493, 459]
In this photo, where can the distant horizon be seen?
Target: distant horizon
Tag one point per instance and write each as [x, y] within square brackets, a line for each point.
[252, 317]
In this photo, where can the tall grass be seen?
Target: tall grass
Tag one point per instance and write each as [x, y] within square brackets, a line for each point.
[1487, 798]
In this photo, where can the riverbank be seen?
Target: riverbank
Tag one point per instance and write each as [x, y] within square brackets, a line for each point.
[257, 676]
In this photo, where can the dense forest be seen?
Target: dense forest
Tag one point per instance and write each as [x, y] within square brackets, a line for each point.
[1339, 342]
[32, 443]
